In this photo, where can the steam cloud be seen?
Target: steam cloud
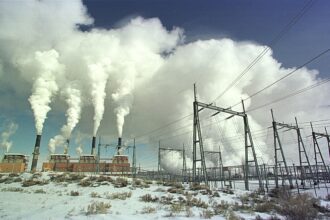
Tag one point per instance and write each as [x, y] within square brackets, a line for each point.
[142, 62]
[45, 86]
[9, 130]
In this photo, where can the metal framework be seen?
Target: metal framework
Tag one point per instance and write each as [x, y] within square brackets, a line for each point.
[184, 168]
[109, 145]
[280, 149]
[317, 152]
[197, 140]
[220, 164]
[303, 158]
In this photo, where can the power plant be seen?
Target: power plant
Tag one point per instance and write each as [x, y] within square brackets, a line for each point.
[119, 164]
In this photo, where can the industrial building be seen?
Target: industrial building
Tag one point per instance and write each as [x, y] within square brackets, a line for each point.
[14, 163]
[119, 164]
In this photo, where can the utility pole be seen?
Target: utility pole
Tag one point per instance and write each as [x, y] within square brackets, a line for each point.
[197, 139]
[159, 158]
[134, 159]
[98, 155]
[249, 144]
[302, 149]
[184, 165]
[317, 152]
[280, 149]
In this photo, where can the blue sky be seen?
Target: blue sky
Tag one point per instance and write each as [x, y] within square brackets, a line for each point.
[256, 21]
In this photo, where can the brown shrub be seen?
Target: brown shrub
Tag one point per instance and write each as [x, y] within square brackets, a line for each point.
[32, 182]
[120, 182]
[196, 186]
[148, 198]
[148, 210]
[97, 208]
[175, 190]
[298, 207]
[74, 193]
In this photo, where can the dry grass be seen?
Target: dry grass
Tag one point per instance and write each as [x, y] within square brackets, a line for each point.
[97, 208]
[74, 193]
[12, 189]
[95, 195]
[32, 182]
[298, 207]
[207, 214]
[40, 191]
[148, 198]
[148, 210]
[120, 182]
[121, 196]
[196, 186]
[175, 190]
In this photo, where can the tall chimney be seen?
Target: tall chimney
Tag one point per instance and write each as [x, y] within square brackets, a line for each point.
[66, 148]
[36, 153]
[119, 146]
[93, 145]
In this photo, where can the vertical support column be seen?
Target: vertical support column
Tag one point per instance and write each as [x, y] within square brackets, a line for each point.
[275, 148]
[328, 140]
[249, 143]
[134, 159]
[159, 158]
[98, 155]
[184, 165]
[246, 170]
[301, 145]
[197, 132]
[195, 110]
[36, 153]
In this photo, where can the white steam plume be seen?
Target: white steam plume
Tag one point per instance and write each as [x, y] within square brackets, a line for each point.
[45, 86]
[123, 99]
[9, 130]
[98, 77]
[73, 100]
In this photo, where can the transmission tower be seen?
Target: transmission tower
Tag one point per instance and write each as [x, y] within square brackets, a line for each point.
[279, 149]
[197, 139]
[317, 153]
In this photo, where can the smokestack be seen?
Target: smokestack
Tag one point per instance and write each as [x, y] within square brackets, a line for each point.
[66, 148]
[119, 146]
[93, 145]
[36, 153]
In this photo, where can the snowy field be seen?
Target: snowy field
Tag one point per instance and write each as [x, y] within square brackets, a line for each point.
[73, 196]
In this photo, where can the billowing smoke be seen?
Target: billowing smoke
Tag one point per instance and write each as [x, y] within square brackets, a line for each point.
[7, 132]
[142, 69]
[123, 99]
[73, 100]
[44, 86]
[98, 77]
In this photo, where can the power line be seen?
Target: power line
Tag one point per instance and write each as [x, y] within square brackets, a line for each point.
[285, 76]
[272, 43]
[292, 94]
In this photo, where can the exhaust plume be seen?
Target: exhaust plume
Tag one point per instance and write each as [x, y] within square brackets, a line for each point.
[98, 76]
[9, 130]
[73, 100]
[45, 86]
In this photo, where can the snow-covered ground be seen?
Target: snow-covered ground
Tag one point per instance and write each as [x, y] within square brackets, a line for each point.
[63, 196]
